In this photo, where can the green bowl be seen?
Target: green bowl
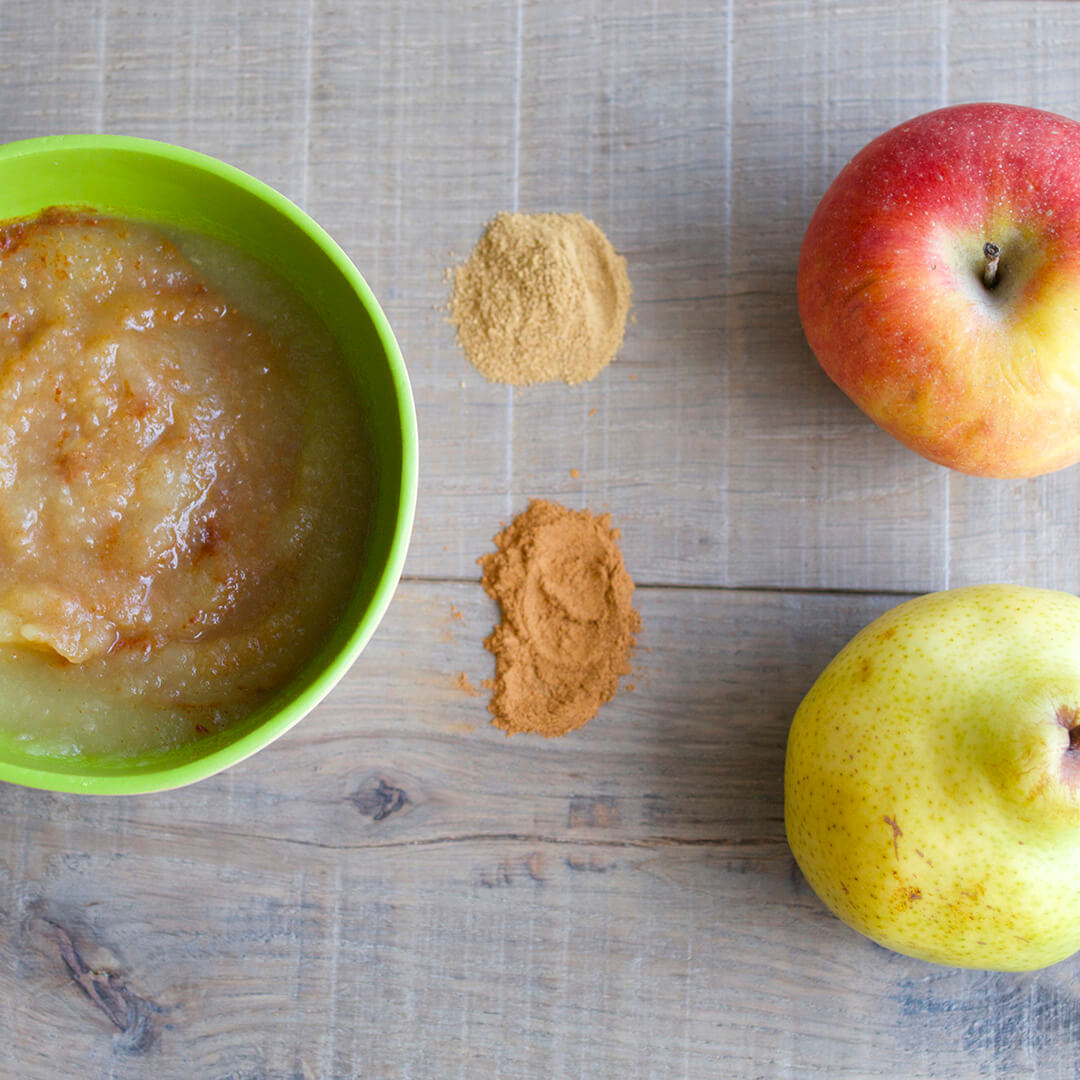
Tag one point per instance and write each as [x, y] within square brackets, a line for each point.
[156, 182]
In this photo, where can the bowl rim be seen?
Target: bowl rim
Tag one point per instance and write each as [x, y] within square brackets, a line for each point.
[292, 712]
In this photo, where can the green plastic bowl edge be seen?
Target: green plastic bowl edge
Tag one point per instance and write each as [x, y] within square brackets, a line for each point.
[165, 779]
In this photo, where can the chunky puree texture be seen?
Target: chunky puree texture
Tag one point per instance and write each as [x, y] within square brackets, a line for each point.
[183, 485]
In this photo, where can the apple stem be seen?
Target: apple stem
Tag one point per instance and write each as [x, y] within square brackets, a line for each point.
[992, 253]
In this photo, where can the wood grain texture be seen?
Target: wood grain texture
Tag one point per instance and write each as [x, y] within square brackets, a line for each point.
[700, 137]
[396, 890]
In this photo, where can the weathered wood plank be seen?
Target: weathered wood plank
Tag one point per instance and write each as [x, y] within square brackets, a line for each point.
[387, 893]
[420, 126]
[716, 427]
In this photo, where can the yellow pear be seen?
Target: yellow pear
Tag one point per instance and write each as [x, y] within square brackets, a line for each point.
[932, 786]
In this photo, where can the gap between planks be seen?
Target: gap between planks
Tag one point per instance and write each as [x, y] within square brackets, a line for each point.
[763, 844]
[661, 586]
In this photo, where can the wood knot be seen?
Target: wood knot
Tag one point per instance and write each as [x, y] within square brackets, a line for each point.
[378, 799]
[135, 1017]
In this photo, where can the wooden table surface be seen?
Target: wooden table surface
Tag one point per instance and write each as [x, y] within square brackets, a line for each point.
[395, 889]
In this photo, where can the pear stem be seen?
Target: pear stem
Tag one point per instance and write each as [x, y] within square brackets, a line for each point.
[992, 253]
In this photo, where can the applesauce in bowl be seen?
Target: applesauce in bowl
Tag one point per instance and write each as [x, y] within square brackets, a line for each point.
[184, 484]
[207, 464]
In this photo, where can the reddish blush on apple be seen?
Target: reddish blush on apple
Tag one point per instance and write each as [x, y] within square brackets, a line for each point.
[939, 287]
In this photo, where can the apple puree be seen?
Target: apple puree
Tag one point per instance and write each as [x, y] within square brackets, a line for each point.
[182, 486]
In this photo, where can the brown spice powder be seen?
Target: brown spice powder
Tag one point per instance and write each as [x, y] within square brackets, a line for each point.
[461, 681]
[568, 623]
[542, 297]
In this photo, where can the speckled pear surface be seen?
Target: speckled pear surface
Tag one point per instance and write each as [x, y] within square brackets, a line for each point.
[932, 788]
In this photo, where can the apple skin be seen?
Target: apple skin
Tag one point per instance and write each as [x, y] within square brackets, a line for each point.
[932, 798]
[891, 293]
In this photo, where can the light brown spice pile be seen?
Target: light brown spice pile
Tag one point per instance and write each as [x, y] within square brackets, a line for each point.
[568, 623]
[542, 297]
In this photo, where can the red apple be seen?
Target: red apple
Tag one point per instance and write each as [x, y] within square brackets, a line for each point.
[971, 359]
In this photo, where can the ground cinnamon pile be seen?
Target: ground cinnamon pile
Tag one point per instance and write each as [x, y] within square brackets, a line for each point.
[568, 623]
[542, 297]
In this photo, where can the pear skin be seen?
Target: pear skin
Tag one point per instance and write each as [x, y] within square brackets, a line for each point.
[932, 783]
